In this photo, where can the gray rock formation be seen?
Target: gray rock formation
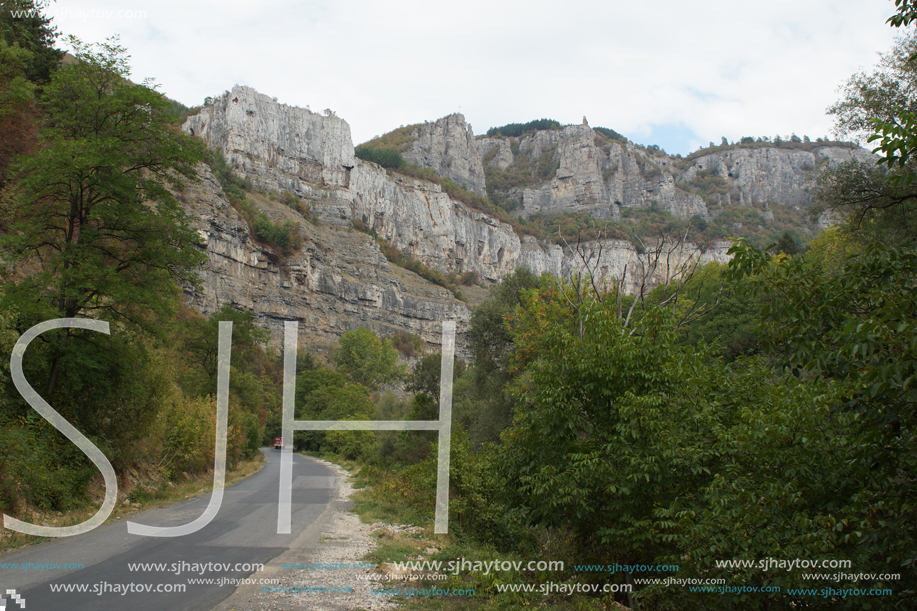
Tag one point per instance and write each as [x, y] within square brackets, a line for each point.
[661, 192]
[447, 147]
[601, 176]
[769, 174]
[340, 281]
[502, 157]
[596, 179]
[425, 223]
[578, 184]
[263, 138]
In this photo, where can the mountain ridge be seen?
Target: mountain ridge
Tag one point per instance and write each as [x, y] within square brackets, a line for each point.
[283, 148]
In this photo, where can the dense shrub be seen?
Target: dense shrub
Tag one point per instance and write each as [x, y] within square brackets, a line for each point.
[285, 236]
[386, 158]
[391, 252]
[514, 130]
[408, 344]
[610, 134]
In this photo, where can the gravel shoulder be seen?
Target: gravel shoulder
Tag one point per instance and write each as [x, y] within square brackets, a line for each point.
[325, 576]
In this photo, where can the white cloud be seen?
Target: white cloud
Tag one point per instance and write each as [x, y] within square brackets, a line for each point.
[715, 68]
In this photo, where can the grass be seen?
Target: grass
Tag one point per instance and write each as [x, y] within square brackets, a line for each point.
[398, 140]
[165, 493]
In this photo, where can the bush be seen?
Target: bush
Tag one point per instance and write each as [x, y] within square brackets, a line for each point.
[188, 427]
[610, 134]
[386, 158]
[284, 237]
[526, 171]
[435, 276]
[408, 344]
[292, 201]
[514, 130]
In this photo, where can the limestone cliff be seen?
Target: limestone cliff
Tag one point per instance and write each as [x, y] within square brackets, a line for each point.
[267, 140]
[342, 280]
[601, 175]
[447, 147]
[591, 174]
[768, 175]
[578, 184]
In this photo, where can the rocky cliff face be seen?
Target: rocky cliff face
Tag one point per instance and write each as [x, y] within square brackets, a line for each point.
[341, 280]
[578, 184]
[265, 139]
[768, 175]
[420, 220]
[592, 175]
[262, 140]
[599, 175]
[425, 223]
[447, 147]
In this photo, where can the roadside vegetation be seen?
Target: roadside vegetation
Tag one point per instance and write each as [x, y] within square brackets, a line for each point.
[110, 243]
[764, 409]
[760, 409]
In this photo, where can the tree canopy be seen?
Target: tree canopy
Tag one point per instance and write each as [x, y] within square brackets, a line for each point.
[367, 360]
[93, 204]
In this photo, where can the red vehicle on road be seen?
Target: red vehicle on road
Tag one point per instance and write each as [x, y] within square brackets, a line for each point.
[278, 443]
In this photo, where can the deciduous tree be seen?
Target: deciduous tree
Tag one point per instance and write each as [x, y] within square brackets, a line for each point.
[367, 360]
[92, 214]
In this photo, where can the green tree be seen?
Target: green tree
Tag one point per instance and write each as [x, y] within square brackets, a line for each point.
[730, 314]
[385, 157]
[30, 30]
[425, 376]
[788, 244]
[490, 339]
[877, 201]
[17, 95]
[92, 207]
[367, 360]
[631, 424]
[199, 339]
[481, 402]
[906, 13]
[856, 324]
[323, 394]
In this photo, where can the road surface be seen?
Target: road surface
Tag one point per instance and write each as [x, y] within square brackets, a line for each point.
[123, 571]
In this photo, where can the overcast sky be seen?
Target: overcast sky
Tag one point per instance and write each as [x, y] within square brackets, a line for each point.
[670, 72]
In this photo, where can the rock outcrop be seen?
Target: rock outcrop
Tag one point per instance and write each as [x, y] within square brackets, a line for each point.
[661, 191]
[592, 175]
[600, 176]
[578, 184]
[341, 279]
[503, 157]
[769, 175]
[425, 223]
[266, 139]
[447, 147]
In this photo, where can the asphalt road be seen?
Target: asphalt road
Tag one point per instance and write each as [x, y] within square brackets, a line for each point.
[242, 534]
